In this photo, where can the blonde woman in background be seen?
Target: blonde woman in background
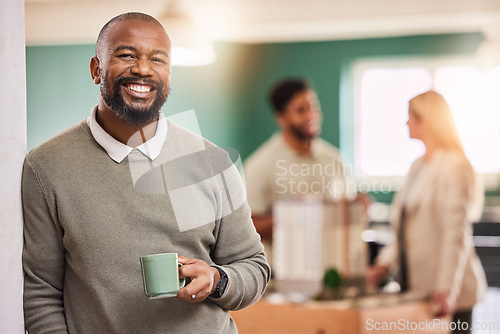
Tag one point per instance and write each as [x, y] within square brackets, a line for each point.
[432, 217]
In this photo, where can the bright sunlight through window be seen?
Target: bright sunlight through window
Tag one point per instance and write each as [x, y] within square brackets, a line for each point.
[382, 147]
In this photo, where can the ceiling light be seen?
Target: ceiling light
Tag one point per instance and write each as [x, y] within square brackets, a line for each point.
[190, 46]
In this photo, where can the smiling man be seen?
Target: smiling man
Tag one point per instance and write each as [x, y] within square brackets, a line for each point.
[134, 83]
[126, 183]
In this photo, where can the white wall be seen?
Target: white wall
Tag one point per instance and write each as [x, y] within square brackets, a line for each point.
[12, 152]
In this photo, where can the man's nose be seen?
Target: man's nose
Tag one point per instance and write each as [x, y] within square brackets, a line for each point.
[142, 67]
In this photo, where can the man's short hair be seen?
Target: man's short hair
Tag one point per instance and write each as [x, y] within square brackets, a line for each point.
[283, 91]
[122, 17]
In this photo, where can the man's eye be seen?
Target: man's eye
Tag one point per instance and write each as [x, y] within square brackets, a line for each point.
[158, 60]
[125, 55]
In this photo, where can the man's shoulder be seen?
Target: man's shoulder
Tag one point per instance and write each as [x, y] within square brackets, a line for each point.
[191, 159]
[266, 152]
[61, 143]
[179, 134]
[325, 148]
[182, 142]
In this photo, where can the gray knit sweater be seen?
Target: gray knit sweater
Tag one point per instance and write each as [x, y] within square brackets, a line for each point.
[88, 220]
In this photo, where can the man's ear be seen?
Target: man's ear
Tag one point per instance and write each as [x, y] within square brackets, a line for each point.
[95, 70]
[280, 119]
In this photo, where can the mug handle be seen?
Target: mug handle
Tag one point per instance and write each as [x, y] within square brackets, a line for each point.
[182, 281]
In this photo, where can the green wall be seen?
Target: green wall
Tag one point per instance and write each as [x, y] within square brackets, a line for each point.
[59, 89]
[61, 93]
[230, 96]
[326, 64]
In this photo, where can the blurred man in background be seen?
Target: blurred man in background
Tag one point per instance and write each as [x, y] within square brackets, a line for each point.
[294, 162]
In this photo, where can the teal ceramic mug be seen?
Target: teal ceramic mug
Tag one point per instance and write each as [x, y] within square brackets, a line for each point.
[160, 275]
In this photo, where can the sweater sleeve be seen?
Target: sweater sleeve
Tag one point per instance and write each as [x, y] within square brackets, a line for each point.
[455, 192]
[43, 259]
[238, 250]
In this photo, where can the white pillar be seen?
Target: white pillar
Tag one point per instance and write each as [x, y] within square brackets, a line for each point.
[12, 152]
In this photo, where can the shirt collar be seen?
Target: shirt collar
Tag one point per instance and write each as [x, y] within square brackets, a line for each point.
[119, 151]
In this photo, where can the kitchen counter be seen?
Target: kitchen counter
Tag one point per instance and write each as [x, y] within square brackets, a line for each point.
[369, 315]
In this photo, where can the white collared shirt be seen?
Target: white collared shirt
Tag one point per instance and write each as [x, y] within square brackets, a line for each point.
[119, 151]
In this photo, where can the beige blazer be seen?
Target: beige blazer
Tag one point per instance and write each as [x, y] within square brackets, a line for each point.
[442, 199]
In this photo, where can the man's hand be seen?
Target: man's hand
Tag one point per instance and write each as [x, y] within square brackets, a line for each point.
[203, 278]
[376, 274]
[441, 304]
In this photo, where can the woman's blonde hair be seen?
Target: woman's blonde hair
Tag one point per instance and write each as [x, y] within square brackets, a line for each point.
[434, 111]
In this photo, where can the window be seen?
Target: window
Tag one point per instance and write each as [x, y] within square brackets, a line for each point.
[381, 147]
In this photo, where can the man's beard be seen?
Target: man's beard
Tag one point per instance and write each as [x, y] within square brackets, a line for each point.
[301, 135]
[132, 115]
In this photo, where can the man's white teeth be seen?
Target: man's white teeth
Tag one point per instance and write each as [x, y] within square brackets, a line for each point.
[139, 88]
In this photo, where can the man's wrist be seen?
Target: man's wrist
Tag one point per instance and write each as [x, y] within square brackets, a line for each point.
[220, 286]
[217, 277]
